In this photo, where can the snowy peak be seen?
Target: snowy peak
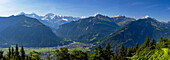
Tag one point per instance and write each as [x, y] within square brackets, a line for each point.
[52, 20]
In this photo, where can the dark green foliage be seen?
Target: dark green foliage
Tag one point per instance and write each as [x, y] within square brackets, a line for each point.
[9, 52]
[12, 51]
[108, 52]
[122, 53]
[22, 53]
[16, 50]
[116, 53]
[155, 51]
[98, 54]
[129, 52]
[78, 55]
[62, 54]
[146, 43]
[137, 46]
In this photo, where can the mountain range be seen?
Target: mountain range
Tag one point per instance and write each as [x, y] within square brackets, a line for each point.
[99, 29]
[51, 19]
[136, 31]
[92, 29]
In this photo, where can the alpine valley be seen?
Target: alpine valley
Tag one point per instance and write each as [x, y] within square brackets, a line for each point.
[89, 35]
[49, 30]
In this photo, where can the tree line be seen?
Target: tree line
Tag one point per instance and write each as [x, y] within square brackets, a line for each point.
[123, 53]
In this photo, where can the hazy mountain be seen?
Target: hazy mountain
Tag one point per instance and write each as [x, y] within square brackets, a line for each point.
[51, 19]
[136, 31]
[26, 31]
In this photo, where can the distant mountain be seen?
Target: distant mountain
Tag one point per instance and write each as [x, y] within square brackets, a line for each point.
[136, 31]
[92, 29]
[26, 31]
[122, 20]
[51, 19]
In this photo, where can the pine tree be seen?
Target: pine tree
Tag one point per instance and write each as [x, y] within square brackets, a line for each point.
[129, 52]
[125, 50]
[108, 52]
[98, 54]
[12, 51]
[16, 50]
[154, 42]
[22, 53]
[122, 52]
[116, 53]
[146, 43]
[136, 47]
[9, 52]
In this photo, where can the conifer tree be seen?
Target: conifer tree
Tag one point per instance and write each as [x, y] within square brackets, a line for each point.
[125, 50]
[9, 52]
[146, 43]
[121, 52]
[116, 53]
[129, 52]
[154, 42]
[12, 51]
[108, 52]
[22, 53]
[137, 46]
[16, 50]
[98, 54]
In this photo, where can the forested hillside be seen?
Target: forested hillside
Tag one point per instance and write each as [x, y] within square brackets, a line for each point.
[137, 30]
[26, 31]
[92, 29]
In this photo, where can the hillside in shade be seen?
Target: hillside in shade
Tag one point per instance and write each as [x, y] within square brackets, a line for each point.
[136, 31]
[26, 31]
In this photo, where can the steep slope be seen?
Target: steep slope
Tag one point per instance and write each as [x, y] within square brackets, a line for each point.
[136, 32]
[88, 30]
[159, 52]
[51, 19]
[26, 31]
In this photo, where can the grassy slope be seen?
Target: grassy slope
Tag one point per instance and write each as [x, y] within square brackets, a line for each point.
[162, 54]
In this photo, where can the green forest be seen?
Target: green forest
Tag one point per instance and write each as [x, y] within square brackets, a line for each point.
[149, 50]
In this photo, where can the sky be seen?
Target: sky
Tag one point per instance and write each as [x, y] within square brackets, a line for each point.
[159, 9]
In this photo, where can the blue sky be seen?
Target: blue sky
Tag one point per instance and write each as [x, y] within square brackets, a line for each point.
[159, 9]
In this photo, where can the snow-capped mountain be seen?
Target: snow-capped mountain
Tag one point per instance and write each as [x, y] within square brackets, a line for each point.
[51, 19]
